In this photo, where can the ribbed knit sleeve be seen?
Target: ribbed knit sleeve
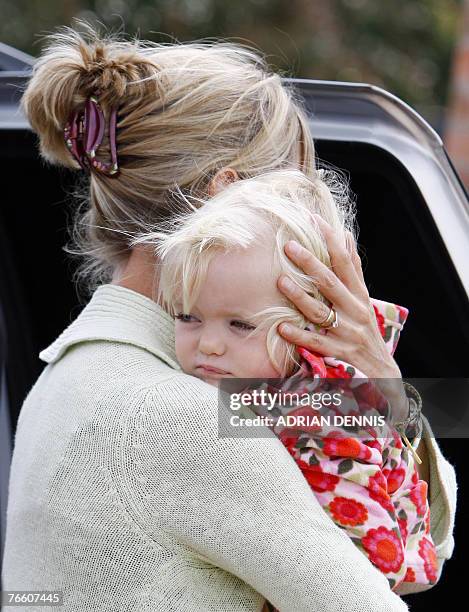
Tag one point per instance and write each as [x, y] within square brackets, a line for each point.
[240, 504]
[442, 499]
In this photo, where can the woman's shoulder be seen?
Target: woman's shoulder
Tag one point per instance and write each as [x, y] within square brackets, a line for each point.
[121, 376]
[119, 373]
[173, 401]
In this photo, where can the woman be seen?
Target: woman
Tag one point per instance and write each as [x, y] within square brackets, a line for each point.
[122, 493]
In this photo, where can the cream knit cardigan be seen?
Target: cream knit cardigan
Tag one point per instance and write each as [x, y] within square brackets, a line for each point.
[123, 496]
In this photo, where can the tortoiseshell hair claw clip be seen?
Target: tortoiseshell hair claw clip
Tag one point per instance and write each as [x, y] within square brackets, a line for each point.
[84, 134]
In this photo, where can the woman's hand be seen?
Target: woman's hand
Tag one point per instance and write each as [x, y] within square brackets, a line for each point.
[357, 339]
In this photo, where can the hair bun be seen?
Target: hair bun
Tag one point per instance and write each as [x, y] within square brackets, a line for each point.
[109, 67]
[72, 67]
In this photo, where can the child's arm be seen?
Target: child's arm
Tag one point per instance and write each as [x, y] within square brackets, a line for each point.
[375, 494]
[348, 477]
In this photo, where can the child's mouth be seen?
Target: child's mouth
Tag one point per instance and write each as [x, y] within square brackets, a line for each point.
[211, 371]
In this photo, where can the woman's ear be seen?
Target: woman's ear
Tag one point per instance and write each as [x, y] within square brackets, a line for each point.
[222, 179]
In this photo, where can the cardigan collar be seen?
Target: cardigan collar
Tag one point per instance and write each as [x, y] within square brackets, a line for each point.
[119, 314]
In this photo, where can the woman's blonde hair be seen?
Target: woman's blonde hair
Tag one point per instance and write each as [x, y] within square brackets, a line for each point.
[185, 110]
[270, 210]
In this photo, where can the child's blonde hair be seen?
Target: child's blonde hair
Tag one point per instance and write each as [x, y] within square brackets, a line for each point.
[185, 110]
[277, 207]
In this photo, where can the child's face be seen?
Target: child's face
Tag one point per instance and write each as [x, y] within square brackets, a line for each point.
[214, 334]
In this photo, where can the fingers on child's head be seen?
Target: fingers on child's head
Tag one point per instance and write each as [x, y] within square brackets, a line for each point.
[350, 242]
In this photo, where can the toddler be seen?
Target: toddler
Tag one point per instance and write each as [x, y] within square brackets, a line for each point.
[220, 265]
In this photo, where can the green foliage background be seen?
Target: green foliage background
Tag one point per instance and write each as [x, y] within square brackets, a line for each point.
[403, 46]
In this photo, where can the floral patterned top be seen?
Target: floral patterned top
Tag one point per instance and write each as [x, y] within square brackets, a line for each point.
[367, 482]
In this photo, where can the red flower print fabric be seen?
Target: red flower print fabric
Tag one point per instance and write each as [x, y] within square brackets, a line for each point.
[368, 484]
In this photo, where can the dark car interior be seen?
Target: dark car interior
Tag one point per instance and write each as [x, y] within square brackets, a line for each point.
[404, 261]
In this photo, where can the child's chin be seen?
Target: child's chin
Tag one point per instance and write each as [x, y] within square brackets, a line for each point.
[212, 381]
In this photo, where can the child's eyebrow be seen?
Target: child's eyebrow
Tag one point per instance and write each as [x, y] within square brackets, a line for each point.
[242, 314]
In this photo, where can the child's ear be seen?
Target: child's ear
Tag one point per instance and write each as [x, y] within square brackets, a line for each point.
[222, 179]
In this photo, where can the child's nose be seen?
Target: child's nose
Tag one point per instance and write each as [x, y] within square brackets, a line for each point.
[211, 343]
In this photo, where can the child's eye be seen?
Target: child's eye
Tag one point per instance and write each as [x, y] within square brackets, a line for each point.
[241, 325]
[185, 318]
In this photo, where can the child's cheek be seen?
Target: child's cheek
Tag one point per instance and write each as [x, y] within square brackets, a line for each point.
[255, 362]
[182, 348]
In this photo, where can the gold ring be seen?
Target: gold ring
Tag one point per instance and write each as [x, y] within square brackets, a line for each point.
[332, 319]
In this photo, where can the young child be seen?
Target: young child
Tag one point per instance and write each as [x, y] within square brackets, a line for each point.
[220, 265]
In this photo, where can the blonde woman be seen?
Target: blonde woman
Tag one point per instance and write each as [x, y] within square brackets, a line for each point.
[122, 495]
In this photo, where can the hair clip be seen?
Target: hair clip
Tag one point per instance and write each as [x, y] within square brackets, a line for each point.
[73, 134]
[84, 134]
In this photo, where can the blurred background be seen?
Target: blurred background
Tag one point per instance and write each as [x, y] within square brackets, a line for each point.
[417, 49]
